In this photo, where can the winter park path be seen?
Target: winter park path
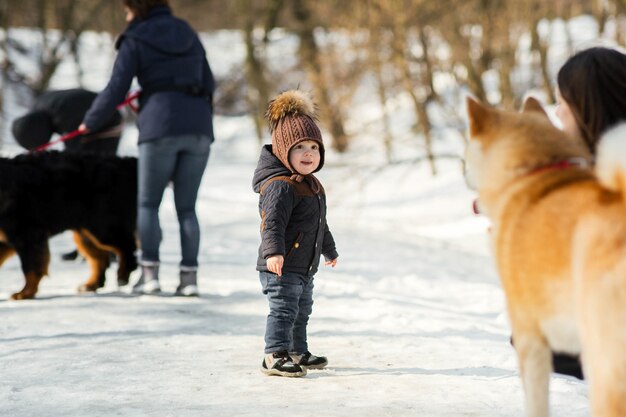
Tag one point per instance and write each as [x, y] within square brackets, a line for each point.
[412, 319]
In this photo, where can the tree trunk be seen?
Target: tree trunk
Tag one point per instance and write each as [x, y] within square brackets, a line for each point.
[257, 94]
[461, 45]
[420, 103]
[381, 89]
[507, 63]
[310, 59]
[541, 47]
[600, 14]
[256, 85]
[427, 79]
[4, 65]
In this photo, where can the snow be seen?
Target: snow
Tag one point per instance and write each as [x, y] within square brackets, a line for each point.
[412, 319]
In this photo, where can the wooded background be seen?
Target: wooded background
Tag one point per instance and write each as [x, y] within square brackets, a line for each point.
[404, 46]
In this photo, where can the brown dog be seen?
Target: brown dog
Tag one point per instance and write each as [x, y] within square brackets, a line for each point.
[559, 239]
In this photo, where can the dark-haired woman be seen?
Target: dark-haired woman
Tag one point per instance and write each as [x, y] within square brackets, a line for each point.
[591, 98]
[175, 127]
[591, 93]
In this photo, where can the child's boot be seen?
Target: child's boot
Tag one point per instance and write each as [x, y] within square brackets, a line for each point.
[188, 286]
[309, 361]
[280, 363]
[149, 281]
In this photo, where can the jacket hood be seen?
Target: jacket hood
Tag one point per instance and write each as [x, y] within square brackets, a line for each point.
[162, 31]
[269, 166]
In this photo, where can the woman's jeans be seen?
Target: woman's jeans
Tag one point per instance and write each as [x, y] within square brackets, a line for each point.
[181, 160]
[290, 299]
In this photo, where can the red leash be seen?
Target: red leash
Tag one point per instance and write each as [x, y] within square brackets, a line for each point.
[63, 138]
[127, 102]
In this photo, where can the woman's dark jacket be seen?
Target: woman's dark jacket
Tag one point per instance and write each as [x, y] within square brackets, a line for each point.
[293, 218]
[167, 57]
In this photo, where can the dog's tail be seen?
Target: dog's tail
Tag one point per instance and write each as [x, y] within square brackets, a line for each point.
[611, 160]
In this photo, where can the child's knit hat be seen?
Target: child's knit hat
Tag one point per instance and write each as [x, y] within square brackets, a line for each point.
[292, 117]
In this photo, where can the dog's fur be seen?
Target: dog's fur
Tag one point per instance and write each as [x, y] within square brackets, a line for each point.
[44, 194]
[559, 239]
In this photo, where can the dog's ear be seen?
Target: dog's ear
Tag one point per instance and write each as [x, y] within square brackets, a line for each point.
[531, 104]
[479, 116]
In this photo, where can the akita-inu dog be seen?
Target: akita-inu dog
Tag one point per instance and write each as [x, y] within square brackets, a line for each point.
[559, 239]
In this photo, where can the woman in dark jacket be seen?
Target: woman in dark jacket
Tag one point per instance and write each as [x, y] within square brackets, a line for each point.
[175, 127]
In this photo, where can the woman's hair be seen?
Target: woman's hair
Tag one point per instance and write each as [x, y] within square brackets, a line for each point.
[141, 7]
[593, 83]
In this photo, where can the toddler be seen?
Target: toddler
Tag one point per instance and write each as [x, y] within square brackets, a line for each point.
[294, 233]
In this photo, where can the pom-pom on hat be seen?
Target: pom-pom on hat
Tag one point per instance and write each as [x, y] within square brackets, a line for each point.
[292, 118]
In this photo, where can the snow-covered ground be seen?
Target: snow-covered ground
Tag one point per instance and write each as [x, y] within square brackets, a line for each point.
[412, 319]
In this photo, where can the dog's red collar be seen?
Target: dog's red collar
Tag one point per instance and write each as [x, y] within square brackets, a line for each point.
[563, 164]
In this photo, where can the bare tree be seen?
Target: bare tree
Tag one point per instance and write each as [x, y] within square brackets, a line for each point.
[414, 69]
[310, 59]
[540, 44]
[258, 86]
[4, 63]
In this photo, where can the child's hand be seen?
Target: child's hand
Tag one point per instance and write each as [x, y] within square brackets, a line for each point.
[332, 263]
[275, 264]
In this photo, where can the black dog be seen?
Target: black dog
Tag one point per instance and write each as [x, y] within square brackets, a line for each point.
[44, 194]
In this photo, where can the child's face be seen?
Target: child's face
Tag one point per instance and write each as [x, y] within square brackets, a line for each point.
[305, 157]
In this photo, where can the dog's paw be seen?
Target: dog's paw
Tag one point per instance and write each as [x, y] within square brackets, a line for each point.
[85, 288]
[22, 296]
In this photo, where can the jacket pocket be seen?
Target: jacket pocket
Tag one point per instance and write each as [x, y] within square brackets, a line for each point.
[295, 245]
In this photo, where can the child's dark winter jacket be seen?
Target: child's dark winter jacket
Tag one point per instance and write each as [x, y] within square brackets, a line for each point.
[171, 66]
[293, 218]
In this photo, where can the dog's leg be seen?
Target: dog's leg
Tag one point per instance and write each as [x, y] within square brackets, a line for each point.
[98, 260]
[607, 369]
[607, 395]
[34, 257]
[603, 336]
[125, 252]
[104, 258]
[127, 259]
[535, 367]
[6, 252]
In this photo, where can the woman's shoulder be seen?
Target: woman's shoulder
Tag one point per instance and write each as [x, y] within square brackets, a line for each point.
[165, 32]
